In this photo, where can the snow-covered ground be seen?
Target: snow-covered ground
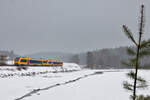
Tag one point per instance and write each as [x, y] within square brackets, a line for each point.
[76, 85]
[11, 71]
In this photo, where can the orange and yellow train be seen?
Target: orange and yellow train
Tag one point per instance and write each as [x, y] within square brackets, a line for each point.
[21, 61]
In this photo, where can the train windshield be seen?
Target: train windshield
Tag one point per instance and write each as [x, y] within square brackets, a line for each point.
[17, 59]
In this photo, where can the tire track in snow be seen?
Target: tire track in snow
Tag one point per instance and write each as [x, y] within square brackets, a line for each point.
[56, 85]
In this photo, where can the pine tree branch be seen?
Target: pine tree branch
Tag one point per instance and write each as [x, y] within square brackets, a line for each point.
[131, 52]
[142, 86]
[128, 86]
[133, 61]
[142, 83]
[131, 75]
[144, 53]
[145, 44]
[141, 80]
[129, 34]
[142, 97]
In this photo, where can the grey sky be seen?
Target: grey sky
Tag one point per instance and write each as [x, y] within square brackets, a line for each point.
[29, 26]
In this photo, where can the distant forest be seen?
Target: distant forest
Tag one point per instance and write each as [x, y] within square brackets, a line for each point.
[107, 58]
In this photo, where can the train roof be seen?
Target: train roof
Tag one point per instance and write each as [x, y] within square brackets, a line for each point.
[39, 59]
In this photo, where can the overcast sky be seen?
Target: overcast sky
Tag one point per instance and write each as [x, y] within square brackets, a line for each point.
[30, 26]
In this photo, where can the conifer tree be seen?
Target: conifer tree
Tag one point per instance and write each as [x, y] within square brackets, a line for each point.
[141, 50]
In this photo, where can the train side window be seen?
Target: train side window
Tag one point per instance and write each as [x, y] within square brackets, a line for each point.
[44, 61]
[35, 61]
[23, 60]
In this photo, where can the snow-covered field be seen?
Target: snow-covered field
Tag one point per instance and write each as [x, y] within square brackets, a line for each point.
[76, 85]
[11, 71]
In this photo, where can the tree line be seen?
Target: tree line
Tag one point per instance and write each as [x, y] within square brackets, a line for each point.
[106, 58]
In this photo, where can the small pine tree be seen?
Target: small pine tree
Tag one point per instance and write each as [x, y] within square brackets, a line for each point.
[141, 50]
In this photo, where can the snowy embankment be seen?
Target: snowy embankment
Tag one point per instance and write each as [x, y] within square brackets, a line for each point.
[76, 85]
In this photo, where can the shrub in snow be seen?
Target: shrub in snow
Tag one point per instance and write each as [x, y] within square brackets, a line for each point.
[141, 97]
